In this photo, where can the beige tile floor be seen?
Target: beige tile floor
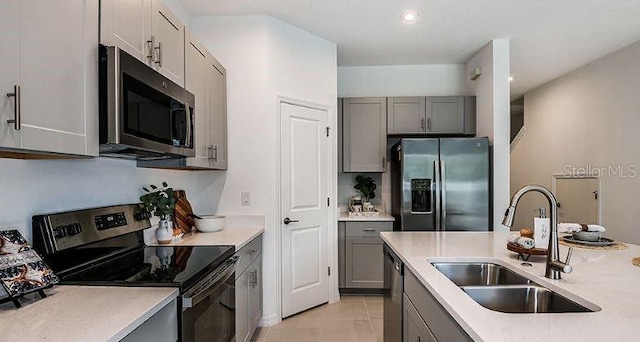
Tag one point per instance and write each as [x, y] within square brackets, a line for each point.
[352, 319]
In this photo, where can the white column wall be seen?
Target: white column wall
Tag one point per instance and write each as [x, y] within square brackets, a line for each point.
[493, 120]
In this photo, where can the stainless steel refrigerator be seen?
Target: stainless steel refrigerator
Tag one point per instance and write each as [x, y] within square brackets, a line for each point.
[441, 184]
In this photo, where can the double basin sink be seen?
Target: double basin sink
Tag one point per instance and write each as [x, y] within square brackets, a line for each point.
[500, 289]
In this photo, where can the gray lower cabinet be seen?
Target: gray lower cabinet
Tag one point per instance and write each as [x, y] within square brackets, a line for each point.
[364, 134]
[455, 115]
[414, 329]
[161, 327]
[248, 289]
[361, 257]
[423, 316]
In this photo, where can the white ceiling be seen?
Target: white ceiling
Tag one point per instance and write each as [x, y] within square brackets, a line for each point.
[548, 37]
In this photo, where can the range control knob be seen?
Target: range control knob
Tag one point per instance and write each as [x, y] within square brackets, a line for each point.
[143, 215]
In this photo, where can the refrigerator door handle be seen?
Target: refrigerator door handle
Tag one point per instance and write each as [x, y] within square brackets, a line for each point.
[436, 167]
[443, 191]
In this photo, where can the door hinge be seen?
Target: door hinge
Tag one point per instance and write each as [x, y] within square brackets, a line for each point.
[328, 202]
[329, 271]
[328, 129]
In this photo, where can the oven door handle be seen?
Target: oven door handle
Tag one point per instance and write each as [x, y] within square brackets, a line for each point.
[202, 291]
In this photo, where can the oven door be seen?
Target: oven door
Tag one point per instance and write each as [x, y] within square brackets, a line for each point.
[208, 308]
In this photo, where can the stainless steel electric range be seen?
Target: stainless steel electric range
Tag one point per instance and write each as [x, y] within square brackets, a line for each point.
[104, 246]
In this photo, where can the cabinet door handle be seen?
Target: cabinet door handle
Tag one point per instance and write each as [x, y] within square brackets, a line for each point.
[17, 108]
[210, 152]
[429, 124]
[369, 229]
[151, 47]
[159, 49]
[422, 124]
[215, 153]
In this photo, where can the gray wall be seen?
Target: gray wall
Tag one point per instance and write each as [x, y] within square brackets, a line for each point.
[588, 118]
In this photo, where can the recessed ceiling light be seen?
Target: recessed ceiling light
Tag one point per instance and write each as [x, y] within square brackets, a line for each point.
[409, 16]
[511, 78]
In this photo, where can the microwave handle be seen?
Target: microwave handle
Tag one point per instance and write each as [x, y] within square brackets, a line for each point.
[189, 125]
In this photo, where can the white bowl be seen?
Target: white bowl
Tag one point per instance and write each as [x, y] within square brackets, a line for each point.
[209, 223]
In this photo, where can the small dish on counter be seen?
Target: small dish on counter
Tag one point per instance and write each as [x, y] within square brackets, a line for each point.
[601, 242]
[587, 236]
[209, 223]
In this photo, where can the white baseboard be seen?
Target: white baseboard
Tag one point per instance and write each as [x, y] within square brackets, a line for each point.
[269, 320]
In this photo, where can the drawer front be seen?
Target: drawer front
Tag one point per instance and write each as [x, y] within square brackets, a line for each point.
[441, 324]
[247, 254]
[367, 229]
[414, 328]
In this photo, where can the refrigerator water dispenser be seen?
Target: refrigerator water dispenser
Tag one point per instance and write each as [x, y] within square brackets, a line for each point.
[421, 195]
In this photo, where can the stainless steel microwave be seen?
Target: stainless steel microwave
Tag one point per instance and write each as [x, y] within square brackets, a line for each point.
[143, 115]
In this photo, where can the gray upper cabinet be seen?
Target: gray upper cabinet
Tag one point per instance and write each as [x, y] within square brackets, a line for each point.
[127, 25]
[406, 115]
[445, 115]
[432, 115]
[49, 80]
[147, 30]
[205, 77]
[168, 43]
[364, 134]
[197, 82]
[218, 114]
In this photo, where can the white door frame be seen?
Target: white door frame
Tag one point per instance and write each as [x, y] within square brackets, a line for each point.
[332, 219]
[554, 187]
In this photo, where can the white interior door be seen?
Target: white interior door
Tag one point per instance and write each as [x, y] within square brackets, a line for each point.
[578, 200]
[305, 279]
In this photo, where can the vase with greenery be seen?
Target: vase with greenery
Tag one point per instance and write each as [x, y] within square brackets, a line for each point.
[366, 186]
[159, 201]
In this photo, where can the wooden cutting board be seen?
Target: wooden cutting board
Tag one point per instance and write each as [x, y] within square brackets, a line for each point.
[181, 215]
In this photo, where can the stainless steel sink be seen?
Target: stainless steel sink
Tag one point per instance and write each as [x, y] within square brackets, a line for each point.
[522, 299]
[479, 274]
[500, 289]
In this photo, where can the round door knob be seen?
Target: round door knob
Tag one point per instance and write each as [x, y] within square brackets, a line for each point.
[288, 220]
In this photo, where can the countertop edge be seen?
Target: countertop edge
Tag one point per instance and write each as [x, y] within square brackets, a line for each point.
[129, 328]
[249, 239]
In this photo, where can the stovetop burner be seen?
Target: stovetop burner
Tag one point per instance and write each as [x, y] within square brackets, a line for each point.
[153, 266]
[81, 252]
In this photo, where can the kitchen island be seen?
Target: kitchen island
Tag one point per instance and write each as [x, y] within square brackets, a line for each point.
[605, 280]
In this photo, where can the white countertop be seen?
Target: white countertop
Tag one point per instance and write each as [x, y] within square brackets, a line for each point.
[344, 217]
[82, 313]
[603, 278]
[238, 237]
[239, 230]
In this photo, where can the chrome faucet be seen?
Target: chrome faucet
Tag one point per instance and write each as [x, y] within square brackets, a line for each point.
[554, 265]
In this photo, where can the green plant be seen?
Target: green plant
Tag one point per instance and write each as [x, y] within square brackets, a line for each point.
[367, 186]
[159, 201]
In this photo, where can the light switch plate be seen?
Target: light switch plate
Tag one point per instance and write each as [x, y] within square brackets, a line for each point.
[246, 198]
